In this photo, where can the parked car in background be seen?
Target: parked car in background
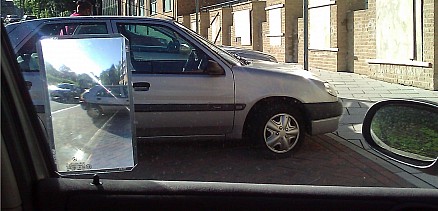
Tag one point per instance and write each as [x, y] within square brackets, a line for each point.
[12, 19]
[64, 92]
[248, 54]
[177, 74]
[28, 17]
[101, 100]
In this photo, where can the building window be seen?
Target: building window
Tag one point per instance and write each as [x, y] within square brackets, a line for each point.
[319, 24]
[141, 7]
[242, 26]
[398, 30]
[153, 7]
[275, 22]
[167, 5]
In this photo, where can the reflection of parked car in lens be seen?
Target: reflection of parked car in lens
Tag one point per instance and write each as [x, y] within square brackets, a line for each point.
[104, 99]
[28, 17]
[12, 19]
[64, 92]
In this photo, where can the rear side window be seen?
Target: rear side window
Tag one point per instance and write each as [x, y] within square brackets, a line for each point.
[27, 56]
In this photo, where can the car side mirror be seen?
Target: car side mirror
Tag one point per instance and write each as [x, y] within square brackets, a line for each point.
[213, 68]
[185, 49]
[406, 131]
[87, 133]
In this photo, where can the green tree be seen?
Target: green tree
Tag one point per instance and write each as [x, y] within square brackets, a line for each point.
[46, 8]
[110, 76]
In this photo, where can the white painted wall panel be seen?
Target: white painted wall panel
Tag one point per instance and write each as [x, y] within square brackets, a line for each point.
[395, 29]
[275, 26]
[319, 27]
[242, 26]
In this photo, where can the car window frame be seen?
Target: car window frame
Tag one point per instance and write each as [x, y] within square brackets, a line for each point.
[171, 25]
[177, 36]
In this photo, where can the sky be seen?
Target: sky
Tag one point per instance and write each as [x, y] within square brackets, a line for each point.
[82, 55]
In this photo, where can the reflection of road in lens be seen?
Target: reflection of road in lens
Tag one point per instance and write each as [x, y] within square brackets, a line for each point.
[83, 143]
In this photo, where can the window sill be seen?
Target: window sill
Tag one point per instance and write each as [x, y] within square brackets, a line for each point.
[324, 49]
[399, 62]
[333, 2]
[275, 35]
[274, 7]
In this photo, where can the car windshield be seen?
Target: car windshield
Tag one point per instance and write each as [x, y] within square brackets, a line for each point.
[170, 102]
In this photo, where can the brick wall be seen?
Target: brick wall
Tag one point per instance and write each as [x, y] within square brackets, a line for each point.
[186, 7]
[364, 38]
[184, 20]
[279, 51]
[224, 16]
[411, 75]
[204, 22]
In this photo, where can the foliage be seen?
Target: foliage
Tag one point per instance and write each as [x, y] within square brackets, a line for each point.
[46, 8]
[408, 129]
[110, 76]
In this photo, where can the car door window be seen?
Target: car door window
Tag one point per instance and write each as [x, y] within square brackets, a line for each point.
[160, 50]
[112, 92]
[27, 56]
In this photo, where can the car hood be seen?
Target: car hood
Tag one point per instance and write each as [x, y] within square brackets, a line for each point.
[279, 68]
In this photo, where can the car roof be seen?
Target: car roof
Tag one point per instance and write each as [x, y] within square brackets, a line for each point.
[100, 18]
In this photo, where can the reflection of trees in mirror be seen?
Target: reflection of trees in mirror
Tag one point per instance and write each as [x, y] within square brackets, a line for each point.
[408, 129]
[111, 76]
[63, 75]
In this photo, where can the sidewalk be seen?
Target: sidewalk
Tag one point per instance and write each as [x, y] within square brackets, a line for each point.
[358, 93]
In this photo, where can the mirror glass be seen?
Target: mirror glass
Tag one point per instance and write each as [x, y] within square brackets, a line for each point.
[410, 131]
[89, 101]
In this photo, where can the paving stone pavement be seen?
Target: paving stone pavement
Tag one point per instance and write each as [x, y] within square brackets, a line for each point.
[358, 93]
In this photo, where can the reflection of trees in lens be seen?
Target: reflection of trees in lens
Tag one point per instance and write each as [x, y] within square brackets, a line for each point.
[111, 76]
[407, 129]
[62, 75]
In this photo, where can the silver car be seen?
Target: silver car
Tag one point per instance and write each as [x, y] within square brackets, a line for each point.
[101, 100]
[179, 75]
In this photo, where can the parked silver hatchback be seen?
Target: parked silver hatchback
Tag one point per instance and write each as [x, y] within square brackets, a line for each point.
[101, 100]
[185, 86]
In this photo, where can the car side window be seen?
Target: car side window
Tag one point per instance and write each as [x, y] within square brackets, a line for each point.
[112, 92]
[160, 50]
[27, 56]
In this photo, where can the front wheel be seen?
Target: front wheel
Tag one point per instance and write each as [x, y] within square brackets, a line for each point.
[279, 130]
[94, 111]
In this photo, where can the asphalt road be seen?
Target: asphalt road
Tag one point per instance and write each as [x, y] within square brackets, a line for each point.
[85, 143]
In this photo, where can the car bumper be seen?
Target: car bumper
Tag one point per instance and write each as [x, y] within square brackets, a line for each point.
[323, 117]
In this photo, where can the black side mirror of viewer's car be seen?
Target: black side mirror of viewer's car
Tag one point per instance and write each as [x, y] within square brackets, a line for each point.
[405, 131]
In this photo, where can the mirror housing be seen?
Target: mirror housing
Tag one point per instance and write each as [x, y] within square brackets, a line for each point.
[213, 68]
[406, 131]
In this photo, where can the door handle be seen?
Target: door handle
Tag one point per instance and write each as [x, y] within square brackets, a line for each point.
[141, 86]
[99, 98]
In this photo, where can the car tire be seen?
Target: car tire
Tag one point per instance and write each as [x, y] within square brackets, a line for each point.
[94, 111]
[278, 131]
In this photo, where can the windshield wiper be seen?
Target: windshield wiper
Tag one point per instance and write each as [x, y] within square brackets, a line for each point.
[242, 60]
